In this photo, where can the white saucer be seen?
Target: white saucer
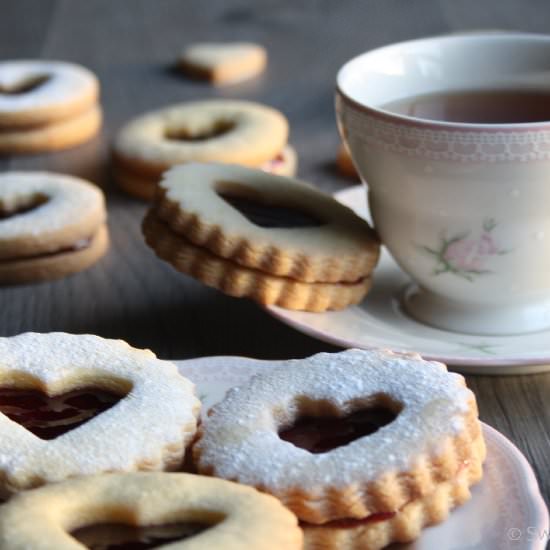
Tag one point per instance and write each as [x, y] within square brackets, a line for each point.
[506, 509]
[379, 322]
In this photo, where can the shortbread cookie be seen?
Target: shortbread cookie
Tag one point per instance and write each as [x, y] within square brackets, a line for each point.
[350, 440]
[242, 282]
[42, 92]
[239, 132]
[157, 510]
[223, 63]
[64, 134]
[52, 387]
[51, 225]
[220, 207]
[284, 164]
[345, 164]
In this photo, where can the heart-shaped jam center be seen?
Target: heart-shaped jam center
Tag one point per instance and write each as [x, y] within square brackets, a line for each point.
[24, 85]
[320, 434]
[269, 215]
[49, 417]
[217, 129]
[21, 205]
[114, 536]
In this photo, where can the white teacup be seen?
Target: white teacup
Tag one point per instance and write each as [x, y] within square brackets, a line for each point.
[464, 208]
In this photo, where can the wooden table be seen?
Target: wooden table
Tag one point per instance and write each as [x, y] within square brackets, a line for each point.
[131, 46]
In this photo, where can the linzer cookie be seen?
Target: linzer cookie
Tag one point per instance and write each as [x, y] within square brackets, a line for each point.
[345, 163]
[46, 106]
[51, 225]
[147, 510]
[273, 239]
[236, 132]
[75, 405]
[365, 447]
[223, 63]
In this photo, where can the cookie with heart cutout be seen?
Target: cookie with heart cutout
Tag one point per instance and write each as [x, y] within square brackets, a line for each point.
[366, 447]
[250, 234]
[36, 92]
[51, 225]
[46, 106]
[77, 405]
[223, 63]
[147, 510]
[218, 130]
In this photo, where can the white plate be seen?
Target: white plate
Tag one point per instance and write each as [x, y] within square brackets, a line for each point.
[379, 322]
[506, 509]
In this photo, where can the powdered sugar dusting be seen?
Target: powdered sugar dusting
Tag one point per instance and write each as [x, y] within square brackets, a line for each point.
[159, 411]
[66, 81]
[241, 439]
[70, 199]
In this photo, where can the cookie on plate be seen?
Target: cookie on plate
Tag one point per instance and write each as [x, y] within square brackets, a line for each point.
[365, 447]
[236, 132]
[46, 106]
[223, 63]
[251, 234]
[51, 225]
[77, 405]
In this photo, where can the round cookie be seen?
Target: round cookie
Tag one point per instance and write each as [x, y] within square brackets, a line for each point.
[239, 132]
[206, 513]
[41, 92]
[223, 63]
[365, 446]
[63, 134]
[76, 405]
[201, 202]
[51, 225]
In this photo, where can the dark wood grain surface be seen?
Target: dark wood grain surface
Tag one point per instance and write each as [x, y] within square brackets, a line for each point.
[131, 45]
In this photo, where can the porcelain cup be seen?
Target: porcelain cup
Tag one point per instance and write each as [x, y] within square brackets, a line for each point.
[463, 208]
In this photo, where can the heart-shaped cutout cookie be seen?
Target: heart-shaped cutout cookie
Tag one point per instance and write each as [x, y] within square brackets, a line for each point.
[79, 432]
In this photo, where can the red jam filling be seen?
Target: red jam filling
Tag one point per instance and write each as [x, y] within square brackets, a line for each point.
[274, 162]
[26, 85]
[324, 433]
[350, 523]
[49, 417]
[270, 215]
[125, 537]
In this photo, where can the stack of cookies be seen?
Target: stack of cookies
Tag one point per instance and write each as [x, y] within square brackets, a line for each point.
[236, 132]
[270, 238]
[46, 106]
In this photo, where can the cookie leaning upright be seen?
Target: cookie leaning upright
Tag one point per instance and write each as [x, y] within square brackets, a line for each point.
[51, 225]
[276, 240]
[236, 132]
[46, 106]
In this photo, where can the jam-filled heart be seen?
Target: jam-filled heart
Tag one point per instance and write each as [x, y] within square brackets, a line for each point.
[270, 215]
[216, 130]
[49, 417]
[23, 205]
[320, 434]
[25, 85]
[114, 536]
